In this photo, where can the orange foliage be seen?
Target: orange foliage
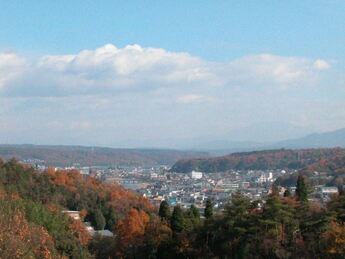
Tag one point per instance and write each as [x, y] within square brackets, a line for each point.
[79, 230]
[2, 194]
[19, 239]
[335, 238]
[82, 214]
[120, 198]
[132, 226]
[53, 208]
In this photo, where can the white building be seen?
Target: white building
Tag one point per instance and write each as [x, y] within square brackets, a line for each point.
[262, 179]
[329, 190]
[196, 175]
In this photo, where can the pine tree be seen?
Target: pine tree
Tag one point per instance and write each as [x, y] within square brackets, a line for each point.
[193, 215]
[177, 220]
[111, 218]
[194, 211]
[276, 226]
[164, 211]
[208, 209]
[301, 189]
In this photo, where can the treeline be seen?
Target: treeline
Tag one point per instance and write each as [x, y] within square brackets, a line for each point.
[259, 160]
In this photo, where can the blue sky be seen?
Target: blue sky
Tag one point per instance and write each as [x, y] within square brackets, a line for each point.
[154, 73]
[215, 30]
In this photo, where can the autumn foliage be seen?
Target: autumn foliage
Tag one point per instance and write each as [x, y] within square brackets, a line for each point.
[20, 239]
[33, 226]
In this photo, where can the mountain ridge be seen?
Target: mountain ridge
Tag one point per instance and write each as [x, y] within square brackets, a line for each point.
[61, 155]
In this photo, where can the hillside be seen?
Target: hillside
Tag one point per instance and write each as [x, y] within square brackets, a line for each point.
[317, 140]
[258, 160]
[225, 146]
[90, 156]
[32, 224]
[332, 166]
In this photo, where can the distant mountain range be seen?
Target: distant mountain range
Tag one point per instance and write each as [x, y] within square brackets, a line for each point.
[316, 140]
[92, 156]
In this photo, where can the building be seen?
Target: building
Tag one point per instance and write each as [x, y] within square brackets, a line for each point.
[196, 175]
[329, 190]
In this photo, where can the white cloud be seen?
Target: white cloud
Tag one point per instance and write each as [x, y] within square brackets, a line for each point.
[320, 64]
[194, 98]
[11, 66]
[275, 70]
[109, 69]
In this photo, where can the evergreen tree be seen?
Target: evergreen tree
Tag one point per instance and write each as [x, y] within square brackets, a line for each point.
[192, 217]
[229, 234]
[208, 209]
[301, 189]
[194, 212]
[111, 218]
[277, 226]
[99, 220]
[177, 220]
[164, 211]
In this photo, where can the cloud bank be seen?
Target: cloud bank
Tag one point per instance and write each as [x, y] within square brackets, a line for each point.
[109, 70]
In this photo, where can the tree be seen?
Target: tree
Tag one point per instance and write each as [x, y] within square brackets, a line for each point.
[208, 209]
[232, 231]
[335, 239]
[192, 218]
[337, 207]
[276, 226]
[301, 189]
[177, 220]
[164, 211]
[111, 218]
[130, 233]
[194, 212]
[99, 220]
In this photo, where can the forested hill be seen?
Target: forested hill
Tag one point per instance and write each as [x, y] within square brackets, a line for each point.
[259, 160]
[33, 226]
[91, 156]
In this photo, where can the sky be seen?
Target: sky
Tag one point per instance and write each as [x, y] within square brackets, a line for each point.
[170, 74]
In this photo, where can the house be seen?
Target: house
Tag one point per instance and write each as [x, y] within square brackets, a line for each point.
[74, 214]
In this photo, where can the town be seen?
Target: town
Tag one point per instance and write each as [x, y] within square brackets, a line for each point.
[160, 183]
